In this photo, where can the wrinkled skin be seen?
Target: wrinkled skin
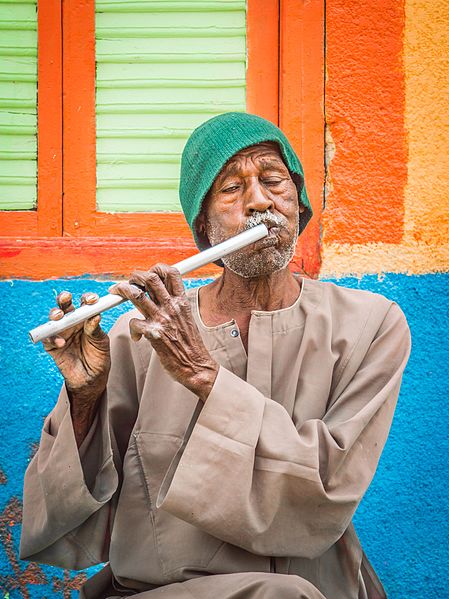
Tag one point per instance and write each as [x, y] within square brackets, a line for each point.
[82, 355]
[169, 326]
[254, 185]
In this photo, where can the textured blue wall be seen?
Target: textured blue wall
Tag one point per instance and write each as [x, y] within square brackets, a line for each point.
[403, 520]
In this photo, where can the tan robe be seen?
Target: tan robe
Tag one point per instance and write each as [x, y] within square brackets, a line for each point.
[263, 481]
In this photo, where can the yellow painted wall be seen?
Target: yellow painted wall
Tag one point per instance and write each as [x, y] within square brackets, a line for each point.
[424, 246]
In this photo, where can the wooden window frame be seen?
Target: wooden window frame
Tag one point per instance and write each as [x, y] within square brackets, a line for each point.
[285, 83]
[46, 220]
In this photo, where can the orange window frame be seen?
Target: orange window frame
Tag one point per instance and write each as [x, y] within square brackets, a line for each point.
[81, 217]
[285, 82]
[46, 220]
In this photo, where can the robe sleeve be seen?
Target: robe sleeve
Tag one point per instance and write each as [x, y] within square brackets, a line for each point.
[70, 493]
[250, 477]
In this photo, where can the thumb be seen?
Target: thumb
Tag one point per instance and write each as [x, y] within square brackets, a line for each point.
[92, 327]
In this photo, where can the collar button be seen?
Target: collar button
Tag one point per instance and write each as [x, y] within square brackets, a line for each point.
[234, 333]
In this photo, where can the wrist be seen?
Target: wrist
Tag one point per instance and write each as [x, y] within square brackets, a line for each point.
[204, 381]
[83, 407]
[85, 394]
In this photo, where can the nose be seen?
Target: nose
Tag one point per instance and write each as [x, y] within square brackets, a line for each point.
[257, 197]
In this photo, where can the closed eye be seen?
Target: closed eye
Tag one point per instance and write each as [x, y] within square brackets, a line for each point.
[272, 181]
[230, 189]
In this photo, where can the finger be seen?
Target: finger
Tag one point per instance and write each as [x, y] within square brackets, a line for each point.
[92, 327]
[55, 314]
[89, 298]
[135, 329]
[137, 296]
[171, 277]
[137, 279]
[53, 343]
[139, 328]
[64, 301]
[153, 284]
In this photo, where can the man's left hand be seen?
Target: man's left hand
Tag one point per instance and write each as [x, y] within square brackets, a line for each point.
[169, 326]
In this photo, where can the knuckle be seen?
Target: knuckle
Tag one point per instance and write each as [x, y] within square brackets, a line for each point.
[158, 269]
[182, 302]
[55, 313]
[139, 295]
[165, 321]
[153, 276]
[64, 297]
[176, 306]
[120, 288]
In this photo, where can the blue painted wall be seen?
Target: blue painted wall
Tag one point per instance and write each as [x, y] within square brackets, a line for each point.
[403, 520]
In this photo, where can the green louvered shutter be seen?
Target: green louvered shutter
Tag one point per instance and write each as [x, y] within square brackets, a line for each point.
[163, 67]
[18, 109]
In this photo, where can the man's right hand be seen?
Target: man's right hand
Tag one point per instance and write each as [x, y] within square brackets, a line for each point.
[82, 355]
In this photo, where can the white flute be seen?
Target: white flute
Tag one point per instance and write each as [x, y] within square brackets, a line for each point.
[53, 327]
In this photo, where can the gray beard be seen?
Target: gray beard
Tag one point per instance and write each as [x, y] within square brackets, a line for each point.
[264, 262]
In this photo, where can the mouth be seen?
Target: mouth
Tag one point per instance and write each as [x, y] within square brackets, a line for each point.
[273, 230]
[269, 240]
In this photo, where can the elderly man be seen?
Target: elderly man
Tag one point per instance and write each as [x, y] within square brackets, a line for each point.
[218, 447]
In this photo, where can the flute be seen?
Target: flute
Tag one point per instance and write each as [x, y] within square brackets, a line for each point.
[216, 252]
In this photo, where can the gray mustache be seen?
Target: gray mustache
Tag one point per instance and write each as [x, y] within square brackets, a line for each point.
[266, 218]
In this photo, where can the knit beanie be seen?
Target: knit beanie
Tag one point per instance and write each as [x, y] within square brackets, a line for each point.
[213, 143]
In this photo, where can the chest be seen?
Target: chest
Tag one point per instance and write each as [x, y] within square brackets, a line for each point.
[283, 364]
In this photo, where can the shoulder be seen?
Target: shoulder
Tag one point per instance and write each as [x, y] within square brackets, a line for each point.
[352, 307]
[352, 319]
[362, 301]
[339, 295]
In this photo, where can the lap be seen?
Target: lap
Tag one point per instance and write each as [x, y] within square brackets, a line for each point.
[242, 585]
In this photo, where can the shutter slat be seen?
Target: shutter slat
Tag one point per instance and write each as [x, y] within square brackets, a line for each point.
[18, 105]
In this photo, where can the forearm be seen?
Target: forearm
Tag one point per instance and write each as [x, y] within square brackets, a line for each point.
[247, 463]
[66, 494]
[83, 408]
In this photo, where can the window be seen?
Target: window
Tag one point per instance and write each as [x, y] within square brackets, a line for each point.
[120, 87]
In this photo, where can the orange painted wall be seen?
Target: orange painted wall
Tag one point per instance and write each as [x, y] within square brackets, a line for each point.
[365, 99]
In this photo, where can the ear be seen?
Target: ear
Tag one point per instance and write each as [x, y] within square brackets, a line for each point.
[200, 223]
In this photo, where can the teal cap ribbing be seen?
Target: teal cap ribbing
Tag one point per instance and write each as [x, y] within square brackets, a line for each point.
[213, 143]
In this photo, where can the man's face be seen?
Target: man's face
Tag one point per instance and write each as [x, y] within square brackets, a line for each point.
[254, 186]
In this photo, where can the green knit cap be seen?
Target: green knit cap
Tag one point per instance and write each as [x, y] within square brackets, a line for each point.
[213, 143]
